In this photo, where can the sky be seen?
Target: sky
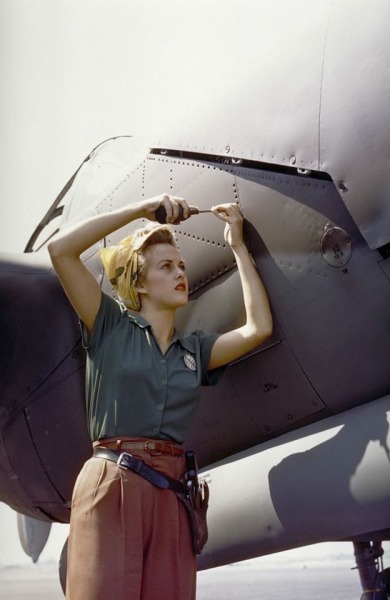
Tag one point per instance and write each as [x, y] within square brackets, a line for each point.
[73, 74]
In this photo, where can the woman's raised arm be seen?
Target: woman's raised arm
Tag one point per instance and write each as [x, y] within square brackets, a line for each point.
[66, 247]
[258, 327]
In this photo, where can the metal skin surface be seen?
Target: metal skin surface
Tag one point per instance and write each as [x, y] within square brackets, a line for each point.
[318, 483]
[306, 156]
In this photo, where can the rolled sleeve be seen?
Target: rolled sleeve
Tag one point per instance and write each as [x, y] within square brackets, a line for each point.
[207, 341]
[109, 314]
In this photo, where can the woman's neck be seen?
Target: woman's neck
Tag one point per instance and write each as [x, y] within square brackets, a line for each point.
[162, 323]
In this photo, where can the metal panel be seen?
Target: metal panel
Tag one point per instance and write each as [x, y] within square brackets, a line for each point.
[355, 113]
[264, 67]
[259, 397]
[297, 88]
[329, 481]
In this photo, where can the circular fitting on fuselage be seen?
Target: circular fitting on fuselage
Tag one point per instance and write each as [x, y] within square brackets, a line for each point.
[336, 246]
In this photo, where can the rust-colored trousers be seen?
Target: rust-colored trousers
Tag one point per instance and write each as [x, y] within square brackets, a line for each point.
[128, 539]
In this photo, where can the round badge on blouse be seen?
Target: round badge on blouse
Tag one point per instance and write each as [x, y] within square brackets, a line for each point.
[189, 362]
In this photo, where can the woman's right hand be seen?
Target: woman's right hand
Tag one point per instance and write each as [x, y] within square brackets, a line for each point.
[66, 248]
[176, 208]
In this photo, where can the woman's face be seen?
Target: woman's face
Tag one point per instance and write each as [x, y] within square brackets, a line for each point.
[165, 283]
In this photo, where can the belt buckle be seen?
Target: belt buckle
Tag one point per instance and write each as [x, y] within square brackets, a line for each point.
[152, 448]
[123, 460]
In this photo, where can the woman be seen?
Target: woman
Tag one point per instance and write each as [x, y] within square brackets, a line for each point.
[128, 538]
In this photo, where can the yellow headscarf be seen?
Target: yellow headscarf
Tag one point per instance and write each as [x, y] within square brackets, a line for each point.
[121, 264]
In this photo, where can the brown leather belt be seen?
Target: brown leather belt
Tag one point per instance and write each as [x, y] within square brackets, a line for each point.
[151, 446]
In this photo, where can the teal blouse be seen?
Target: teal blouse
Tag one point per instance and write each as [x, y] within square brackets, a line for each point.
[134, 390]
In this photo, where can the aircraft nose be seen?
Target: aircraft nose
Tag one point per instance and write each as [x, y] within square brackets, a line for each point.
[8, 333]
[31, 310]
[41, 389]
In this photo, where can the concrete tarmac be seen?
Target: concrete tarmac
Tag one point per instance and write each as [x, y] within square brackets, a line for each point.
[41, 582]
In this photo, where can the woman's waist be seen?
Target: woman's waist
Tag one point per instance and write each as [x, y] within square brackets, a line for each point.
[164, 456]
[140, 444]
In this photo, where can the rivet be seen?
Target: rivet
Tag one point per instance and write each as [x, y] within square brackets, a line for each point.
[342, 186]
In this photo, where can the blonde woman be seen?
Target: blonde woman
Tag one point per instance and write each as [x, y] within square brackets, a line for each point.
[128, 538]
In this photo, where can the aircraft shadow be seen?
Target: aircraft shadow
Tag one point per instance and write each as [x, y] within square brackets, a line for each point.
[335, 483]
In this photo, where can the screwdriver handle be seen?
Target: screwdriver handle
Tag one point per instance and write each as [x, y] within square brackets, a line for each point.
[161, 214]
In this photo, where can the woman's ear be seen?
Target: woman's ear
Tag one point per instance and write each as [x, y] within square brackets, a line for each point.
[140, 284]
[140, 287]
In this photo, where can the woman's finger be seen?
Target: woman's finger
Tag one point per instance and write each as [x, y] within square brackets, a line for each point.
[173, 209]
[227, 212]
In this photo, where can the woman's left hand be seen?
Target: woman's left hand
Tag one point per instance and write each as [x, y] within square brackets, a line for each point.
[231, 214]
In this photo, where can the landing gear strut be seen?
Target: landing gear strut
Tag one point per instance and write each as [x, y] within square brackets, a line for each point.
[374, 580]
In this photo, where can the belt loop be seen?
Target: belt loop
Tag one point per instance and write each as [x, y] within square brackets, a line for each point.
[150, 446]
[119, 444]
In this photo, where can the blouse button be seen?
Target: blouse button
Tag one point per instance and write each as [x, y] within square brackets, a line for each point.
[164, 382]
[160, 406]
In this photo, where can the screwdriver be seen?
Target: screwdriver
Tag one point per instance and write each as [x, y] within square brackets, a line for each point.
[161, 213]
